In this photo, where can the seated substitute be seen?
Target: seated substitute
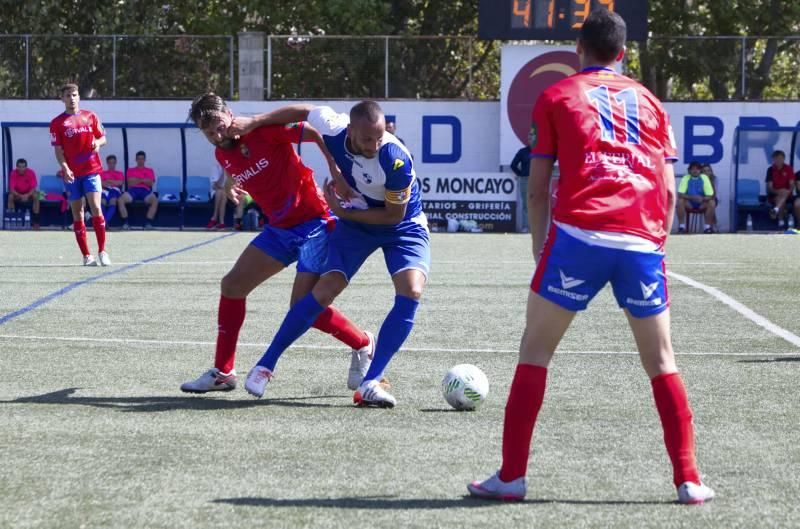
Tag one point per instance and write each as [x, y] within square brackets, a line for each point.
[112, 181]
[23, 191]
[780, 183]
[141, 180]
[695, 192]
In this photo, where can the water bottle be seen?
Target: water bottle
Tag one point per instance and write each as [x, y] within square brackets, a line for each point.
[790, 222]
[749, 222]
[27, 219]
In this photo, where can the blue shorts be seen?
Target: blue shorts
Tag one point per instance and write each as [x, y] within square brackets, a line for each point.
[111, 193]
[83, 185]
[571, 272]
[139, 193]
[305, 243]
[405, 246]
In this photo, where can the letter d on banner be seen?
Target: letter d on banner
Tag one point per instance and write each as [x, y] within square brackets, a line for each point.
[428, 156]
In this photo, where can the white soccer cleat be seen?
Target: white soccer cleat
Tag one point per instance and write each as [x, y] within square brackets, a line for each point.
[690, 493]
[211, 380]
[104, 259]
[359, 363]
[495, 489]
[371, 393]
[89, 260]
[257, 380]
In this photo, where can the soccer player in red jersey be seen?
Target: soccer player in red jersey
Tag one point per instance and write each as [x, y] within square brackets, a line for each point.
[264, 164]
[613, 211]
[77, 136]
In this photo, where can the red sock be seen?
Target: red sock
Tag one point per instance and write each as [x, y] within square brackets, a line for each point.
[80, 235]
[676, 418]
[230, 320]
[333, 322]
[524, 401]
[99, 224]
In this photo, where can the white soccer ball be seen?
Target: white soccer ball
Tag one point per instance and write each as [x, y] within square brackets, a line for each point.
[465, 387]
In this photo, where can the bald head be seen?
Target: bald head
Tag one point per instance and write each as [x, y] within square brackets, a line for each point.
[367, 111]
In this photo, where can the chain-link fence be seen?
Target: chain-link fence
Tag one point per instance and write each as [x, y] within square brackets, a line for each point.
[381, 67]
[116, 66]
[718, 68]
[338, 67]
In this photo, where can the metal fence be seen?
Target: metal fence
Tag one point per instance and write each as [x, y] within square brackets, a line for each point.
[116, 66]
[325, 67]
[718, 68]
[334, 67]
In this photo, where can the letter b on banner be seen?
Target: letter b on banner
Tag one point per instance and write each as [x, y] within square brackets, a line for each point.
[443, 122]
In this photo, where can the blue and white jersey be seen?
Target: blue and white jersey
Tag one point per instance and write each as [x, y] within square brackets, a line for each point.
[388, 177]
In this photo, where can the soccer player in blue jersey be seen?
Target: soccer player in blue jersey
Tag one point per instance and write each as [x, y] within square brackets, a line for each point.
[379, 207]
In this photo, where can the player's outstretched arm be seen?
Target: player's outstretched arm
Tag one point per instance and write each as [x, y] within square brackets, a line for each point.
[289, 114]
[539, 201]
[343, 189]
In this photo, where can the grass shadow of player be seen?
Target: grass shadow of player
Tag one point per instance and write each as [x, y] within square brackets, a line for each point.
[770, 360]
[443, 410]
[393, 502]
[160, 403]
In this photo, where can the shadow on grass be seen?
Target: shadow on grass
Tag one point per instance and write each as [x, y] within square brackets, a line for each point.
[158, 403]
[771, 360]
[443, 410]
[392, 502]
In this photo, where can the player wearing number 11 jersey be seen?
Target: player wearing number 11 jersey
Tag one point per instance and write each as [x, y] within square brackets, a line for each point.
[614, 208]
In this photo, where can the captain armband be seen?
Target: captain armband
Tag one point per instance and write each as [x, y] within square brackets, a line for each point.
[401, 196]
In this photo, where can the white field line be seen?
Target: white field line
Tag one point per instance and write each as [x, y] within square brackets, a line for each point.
[741, 309]
[21, 337]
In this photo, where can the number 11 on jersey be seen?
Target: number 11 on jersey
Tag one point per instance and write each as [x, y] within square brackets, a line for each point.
[600, 97]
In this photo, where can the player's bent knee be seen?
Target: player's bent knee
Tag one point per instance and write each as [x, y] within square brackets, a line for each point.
[233, 287]
[328, 288]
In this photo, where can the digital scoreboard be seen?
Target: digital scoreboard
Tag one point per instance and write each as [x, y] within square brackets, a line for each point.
[553, 19]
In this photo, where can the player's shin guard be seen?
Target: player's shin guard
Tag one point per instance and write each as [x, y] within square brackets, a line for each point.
[394, 331]
[80, 235]
[524, 401]
[229, 319]
[99, 224]
[333, 322]
[676, 418]
[297, 321]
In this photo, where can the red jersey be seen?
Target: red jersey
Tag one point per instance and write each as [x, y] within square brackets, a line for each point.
[23, 183]
[612, 139]
[781, 178]
[75, 133]
[265, 164]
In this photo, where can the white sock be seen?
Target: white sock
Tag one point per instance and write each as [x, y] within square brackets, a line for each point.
[682, 226]
[706, 226]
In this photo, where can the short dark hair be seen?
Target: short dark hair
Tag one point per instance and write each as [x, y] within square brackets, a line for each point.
[205, 107]
[22, 160]
[368, 110]
[603, 35]
[141, 153]
[67, 86]
[778, 153]
[695, 165]
[111, 157]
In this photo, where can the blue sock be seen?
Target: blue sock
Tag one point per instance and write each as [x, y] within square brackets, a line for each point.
[297, 321]
[394, 331]
[109, 212]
